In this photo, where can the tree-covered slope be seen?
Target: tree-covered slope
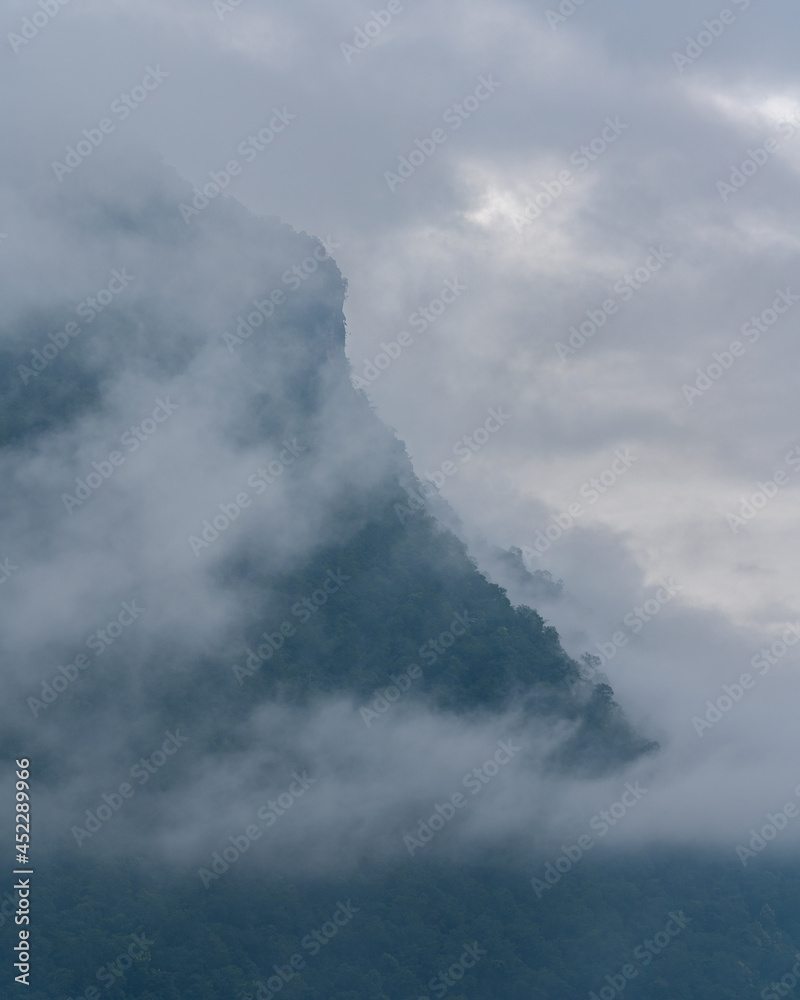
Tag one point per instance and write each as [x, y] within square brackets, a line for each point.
[284, 563]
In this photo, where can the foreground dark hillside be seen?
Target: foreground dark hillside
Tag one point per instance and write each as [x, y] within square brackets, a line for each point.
[401, 928]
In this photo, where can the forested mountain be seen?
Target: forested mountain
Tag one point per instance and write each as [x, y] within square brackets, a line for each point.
[288, 595]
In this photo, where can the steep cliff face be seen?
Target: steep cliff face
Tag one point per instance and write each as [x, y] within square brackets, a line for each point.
[214, 531]
[259, 681]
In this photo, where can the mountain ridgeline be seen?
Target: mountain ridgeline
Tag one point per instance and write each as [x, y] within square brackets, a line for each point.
[182, 441]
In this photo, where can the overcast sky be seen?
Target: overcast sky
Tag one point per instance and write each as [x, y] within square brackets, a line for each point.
[626, 171]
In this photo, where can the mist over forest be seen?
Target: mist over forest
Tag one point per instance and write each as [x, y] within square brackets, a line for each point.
[397, 466]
